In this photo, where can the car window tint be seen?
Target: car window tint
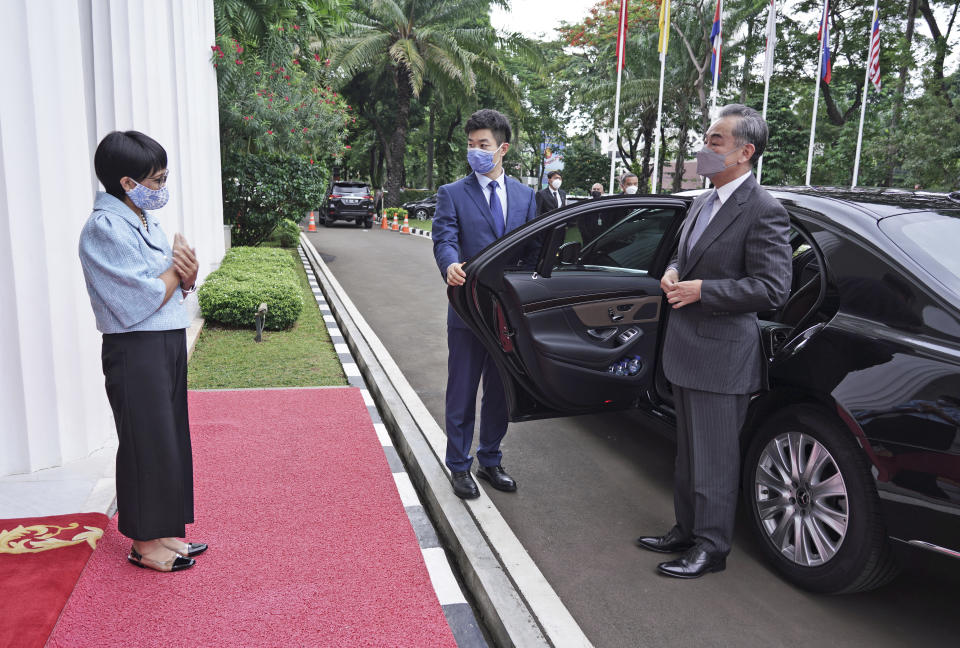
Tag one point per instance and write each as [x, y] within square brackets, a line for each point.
[341, 189]
[618, 238]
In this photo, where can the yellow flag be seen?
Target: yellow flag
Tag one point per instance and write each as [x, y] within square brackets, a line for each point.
[664, 27]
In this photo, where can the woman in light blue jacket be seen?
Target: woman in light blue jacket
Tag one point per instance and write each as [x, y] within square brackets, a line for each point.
[137, 283]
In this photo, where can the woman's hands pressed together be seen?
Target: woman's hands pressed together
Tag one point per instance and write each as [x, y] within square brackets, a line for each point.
[185, 261]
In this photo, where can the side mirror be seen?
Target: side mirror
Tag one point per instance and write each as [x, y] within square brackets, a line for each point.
[569, 253]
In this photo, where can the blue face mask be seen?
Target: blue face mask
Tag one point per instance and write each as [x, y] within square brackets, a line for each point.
[480, 160]
[149, 199]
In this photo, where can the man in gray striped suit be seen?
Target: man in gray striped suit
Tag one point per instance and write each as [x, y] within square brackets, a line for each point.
[733, 261]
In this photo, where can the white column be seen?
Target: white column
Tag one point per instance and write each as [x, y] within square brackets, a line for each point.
[83, 69]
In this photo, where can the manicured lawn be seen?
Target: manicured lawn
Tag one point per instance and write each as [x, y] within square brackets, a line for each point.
[422, 224]
[227, 358]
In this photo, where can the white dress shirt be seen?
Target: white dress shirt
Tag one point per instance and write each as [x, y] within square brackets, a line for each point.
[501, 190]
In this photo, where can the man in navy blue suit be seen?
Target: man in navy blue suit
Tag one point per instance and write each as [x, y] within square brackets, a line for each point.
[472, 213]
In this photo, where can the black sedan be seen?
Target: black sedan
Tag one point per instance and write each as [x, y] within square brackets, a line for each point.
[855, 447]
[422, 209]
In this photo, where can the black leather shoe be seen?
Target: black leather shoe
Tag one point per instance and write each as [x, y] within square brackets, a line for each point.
[693, 564]
[497, 477]
[177, 563]
[672, 542]
[463, 485]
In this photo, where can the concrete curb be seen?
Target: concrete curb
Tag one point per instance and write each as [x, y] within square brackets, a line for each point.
[413, 230]
[515, 602]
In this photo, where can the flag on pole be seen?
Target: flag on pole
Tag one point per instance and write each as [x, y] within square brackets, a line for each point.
[771, 41]
[716, 36]
[664, 27]
[823, 35]
[622, 35]
[873, 62]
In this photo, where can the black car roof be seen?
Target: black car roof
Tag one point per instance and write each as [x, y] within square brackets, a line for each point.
[877, 202]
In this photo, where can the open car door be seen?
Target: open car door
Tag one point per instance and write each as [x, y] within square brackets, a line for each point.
[570, 305]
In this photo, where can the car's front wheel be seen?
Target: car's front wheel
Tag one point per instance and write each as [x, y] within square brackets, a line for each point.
[813, 504]
[421, 214]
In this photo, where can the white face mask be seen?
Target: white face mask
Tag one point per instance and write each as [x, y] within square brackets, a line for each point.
[555, 183]
[632, 189]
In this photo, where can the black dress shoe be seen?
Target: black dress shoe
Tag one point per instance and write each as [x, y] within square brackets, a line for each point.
[672, 542]
[693, 564]
[497, 477]
[463, 485]
[177, 563]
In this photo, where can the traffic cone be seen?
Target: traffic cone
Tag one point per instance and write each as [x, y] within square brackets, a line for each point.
[384, 222]
[312, 226]
[396, 226]
[406, 225]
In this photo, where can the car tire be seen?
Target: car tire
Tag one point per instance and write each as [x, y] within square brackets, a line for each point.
[368, 223]
[807, 483]
[421, 214]
[327, 221]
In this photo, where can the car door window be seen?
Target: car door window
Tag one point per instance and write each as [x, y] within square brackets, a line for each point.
[620, 238]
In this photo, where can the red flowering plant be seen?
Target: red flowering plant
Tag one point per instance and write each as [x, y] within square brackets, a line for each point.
[274, 98]
[281, 128]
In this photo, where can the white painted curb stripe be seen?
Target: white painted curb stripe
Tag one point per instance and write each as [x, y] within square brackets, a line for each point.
[444, 583]
[408, 495]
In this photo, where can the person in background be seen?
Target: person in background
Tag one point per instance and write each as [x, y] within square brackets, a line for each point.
[137, 283]
[629, 183]
[471, 214]
[552, 197]
[596, 190]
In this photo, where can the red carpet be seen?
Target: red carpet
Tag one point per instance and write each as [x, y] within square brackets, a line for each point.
[309, 542]
[40, 562]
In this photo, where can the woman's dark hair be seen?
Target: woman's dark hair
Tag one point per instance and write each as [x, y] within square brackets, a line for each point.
[129, 153]
[497, 122]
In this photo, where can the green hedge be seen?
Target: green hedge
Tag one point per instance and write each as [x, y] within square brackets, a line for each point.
[248, 277]
[287, 233]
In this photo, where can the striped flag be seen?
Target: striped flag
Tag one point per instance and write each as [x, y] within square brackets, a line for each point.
[716, 36]
[873, 62]
[823, 35]
[664, 27]
[771, 41]
[622, 35]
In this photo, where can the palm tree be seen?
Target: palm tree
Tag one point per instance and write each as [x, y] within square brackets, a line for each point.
[443, 42]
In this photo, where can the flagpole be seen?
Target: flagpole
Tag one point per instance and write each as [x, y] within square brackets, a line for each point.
[621, 47]
[716, 78]
[863, 103]
[766, 79]
[663, 65]
[816, 93]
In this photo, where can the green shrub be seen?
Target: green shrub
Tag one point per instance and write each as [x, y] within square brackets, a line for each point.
[248, 277]
[287, 233]
[259, 190]
[390, 211]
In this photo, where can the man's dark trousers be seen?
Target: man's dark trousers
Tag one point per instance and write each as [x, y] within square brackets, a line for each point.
[705, 491]
[467, 361]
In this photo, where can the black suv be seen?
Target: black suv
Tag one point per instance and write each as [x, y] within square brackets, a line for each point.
[349, 201]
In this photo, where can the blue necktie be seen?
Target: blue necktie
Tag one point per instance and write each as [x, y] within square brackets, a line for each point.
[703, 219]
[495, 209]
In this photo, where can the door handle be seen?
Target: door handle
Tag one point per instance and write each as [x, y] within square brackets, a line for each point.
[614, 316]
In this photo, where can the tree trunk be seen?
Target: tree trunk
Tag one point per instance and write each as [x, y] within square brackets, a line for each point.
[750, 49]
[662, 158]
[430, 143]
[677, 184]
[649, 125]
[893, 147]
[398, 139]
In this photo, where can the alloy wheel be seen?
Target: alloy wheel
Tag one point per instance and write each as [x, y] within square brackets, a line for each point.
[801, 499]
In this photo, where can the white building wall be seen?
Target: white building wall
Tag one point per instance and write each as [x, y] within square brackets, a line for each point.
[77, 70]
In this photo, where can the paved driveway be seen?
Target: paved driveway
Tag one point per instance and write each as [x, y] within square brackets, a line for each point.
[590, 484]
